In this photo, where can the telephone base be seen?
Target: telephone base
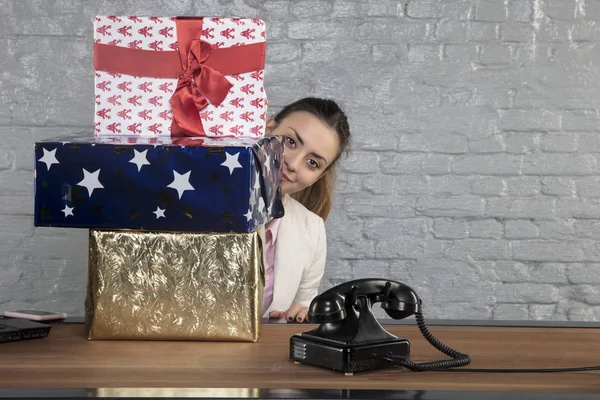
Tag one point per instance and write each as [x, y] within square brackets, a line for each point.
[339, 356]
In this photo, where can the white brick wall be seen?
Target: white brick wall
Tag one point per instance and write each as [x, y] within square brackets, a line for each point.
[474, 172]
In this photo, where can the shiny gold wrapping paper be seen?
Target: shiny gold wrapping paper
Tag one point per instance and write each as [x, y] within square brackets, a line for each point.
[174, 286]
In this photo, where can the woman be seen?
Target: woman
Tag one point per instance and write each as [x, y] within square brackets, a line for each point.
[315, 133]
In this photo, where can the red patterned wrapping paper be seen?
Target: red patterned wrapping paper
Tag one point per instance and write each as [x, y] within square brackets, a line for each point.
[179, 76]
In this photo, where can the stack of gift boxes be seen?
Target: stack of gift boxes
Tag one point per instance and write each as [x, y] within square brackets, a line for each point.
[176, 183]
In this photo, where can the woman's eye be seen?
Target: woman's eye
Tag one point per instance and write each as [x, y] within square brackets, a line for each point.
[313, 164]
[290, 142]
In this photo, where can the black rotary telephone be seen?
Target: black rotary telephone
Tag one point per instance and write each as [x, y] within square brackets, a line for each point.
[350, 339]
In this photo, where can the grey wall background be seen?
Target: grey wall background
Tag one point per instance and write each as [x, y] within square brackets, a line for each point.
[474, 172]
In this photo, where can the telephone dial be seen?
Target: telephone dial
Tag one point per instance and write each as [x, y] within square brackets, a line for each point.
[350, 339]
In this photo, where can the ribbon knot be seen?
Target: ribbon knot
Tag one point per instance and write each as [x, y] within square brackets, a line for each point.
[198, 85]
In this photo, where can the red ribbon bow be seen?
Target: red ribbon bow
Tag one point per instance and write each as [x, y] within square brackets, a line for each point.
[198, 84]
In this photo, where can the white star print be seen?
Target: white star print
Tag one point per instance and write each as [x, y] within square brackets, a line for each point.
[139, 159]
[68, 210]
[49, 158]
[248, 215]
[257, 181]
[232, 162]
[267, 163]
[159, 212]
[181, 183]
[90, 181]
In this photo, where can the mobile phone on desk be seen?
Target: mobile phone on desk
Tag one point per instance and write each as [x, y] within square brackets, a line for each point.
[35, 315]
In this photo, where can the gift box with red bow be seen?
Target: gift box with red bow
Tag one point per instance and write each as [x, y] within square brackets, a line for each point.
[179, 76]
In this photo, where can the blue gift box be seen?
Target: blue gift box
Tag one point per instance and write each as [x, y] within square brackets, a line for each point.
[158, 184]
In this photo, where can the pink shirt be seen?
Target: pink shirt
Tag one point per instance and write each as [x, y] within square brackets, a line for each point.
[271, 229]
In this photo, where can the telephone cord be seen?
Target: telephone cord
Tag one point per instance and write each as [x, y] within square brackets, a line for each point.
[461, 359]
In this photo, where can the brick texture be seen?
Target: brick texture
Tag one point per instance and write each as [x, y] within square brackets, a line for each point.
[473, 176]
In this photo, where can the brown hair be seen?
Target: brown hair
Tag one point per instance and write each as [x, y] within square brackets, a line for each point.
[318, 197]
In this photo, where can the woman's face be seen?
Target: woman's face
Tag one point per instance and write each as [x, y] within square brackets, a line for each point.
[310, 146]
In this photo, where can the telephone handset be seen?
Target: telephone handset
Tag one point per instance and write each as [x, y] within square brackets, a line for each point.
[350, 339]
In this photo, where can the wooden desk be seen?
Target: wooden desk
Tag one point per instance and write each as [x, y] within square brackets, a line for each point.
[66, 359]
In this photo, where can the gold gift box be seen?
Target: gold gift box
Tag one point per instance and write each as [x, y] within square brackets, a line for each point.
[174, 286]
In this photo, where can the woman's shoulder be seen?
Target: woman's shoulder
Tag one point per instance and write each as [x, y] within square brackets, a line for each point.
[308, 226]
[298, 211]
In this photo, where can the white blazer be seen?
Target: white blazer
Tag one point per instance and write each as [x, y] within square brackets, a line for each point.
[300, 254]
